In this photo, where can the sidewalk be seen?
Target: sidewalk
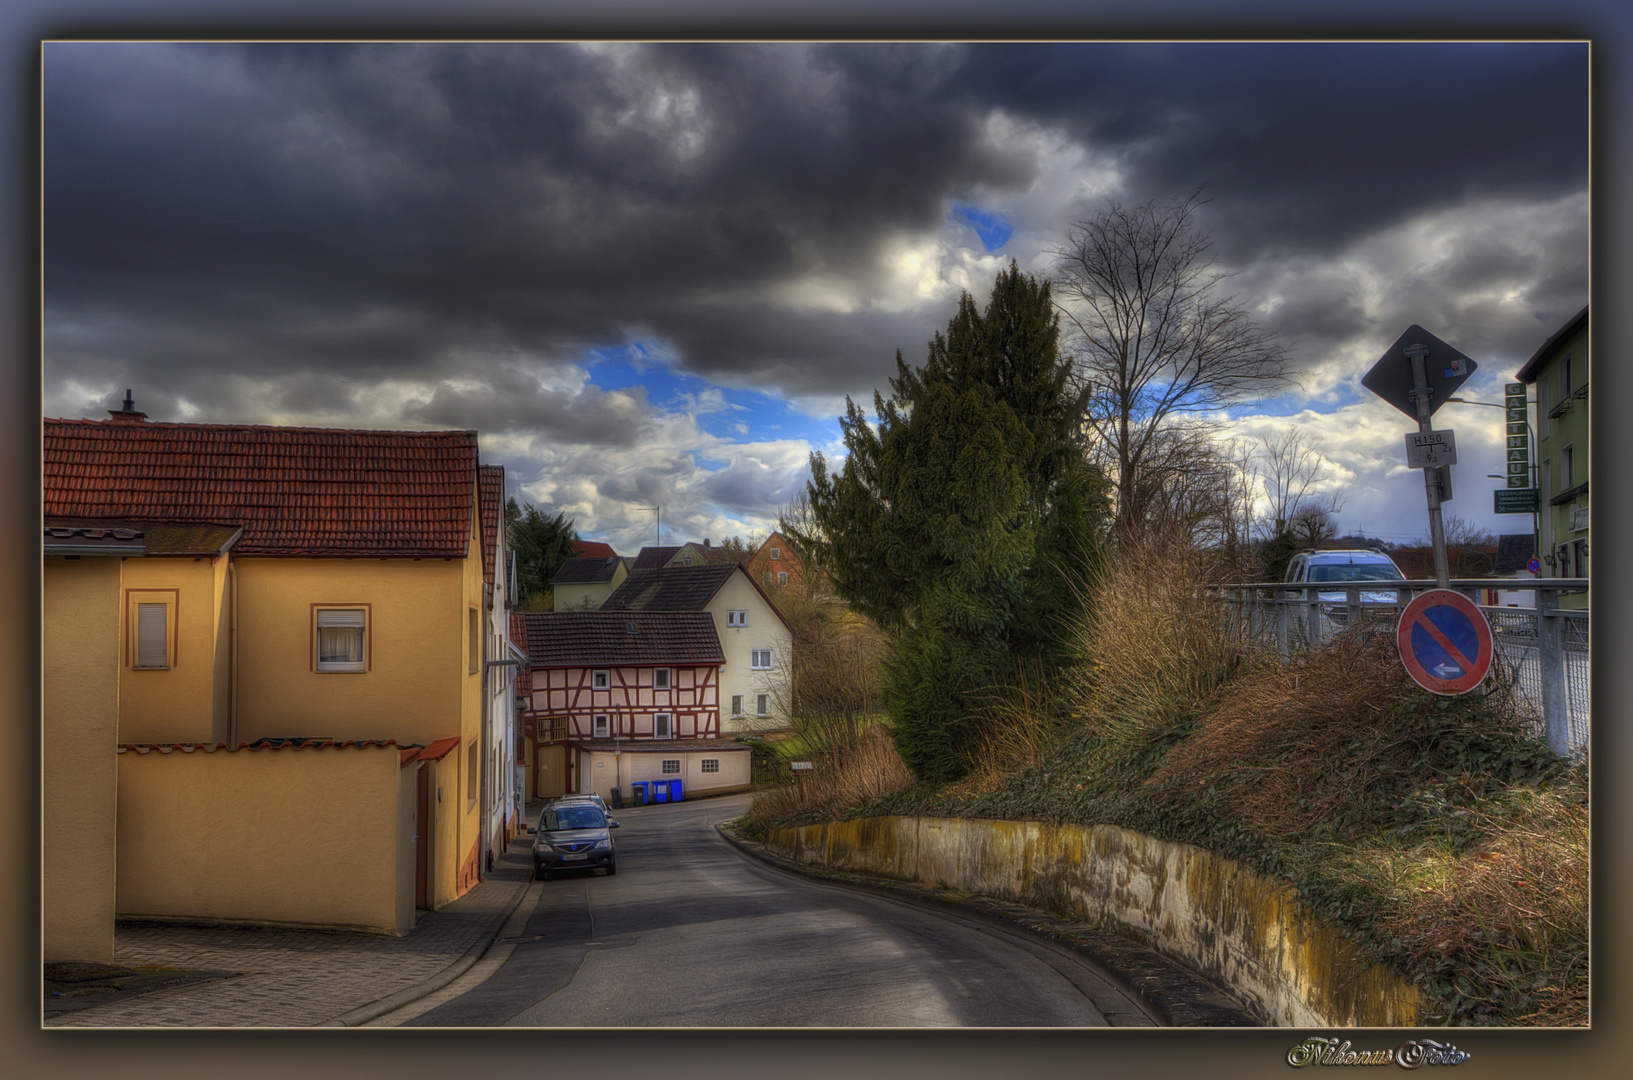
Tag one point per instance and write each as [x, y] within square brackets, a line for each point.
[303, 978]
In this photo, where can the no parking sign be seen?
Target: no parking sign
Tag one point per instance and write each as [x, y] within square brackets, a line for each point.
[1445, 642]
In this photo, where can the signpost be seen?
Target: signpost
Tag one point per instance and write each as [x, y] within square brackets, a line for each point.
[1445, 642]
[1416, 375]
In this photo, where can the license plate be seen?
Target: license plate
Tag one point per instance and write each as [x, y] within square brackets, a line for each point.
[570, 858]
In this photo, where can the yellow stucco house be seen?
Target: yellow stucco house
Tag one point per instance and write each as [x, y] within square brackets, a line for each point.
[263, 675]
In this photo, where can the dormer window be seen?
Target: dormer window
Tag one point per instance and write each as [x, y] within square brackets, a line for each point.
[736, 618]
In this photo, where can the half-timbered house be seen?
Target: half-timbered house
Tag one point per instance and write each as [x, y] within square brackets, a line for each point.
[599, 675]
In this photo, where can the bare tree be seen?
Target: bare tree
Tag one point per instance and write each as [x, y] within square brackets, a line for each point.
[1155, 337]
[1289, 466]
[1315, 521]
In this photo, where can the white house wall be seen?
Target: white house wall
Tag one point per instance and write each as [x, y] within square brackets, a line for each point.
[765, 630]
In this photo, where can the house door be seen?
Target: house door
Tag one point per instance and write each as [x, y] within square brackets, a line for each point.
[552, 770]
[422, 838]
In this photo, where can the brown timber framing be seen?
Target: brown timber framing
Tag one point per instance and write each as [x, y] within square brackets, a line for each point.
[630, 700]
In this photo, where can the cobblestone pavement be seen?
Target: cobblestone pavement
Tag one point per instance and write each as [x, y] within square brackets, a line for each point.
[299, 978]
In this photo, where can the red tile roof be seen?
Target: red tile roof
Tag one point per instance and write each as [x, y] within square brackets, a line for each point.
[296, 491]
[490, 483]
[602, 638]
[593, 549]
[518, 638]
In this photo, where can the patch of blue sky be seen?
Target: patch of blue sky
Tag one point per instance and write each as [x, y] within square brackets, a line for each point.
[993, 231]
[1295, 402]
[727, 413]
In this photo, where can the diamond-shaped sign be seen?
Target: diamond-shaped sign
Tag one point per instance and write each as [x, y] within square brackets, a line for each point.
[1444, 368]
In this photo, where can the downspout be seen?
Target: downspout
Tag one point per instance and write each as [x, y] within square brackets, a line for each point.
[232, 659]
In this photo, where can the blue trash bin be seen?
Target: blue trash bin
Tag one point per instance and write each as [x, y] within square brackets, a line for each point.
[674, 791]
[639, 790]
[660, 791]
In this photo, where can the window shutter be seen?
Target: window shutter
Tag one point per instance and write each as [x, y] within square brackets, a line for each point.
[151, 635]
[328, 618]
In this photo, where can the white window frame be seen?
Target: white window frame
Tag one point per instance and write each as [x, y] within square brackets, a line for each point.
[736, 618]
[782, 577]
[601, 726]
[665, 767]
[601, 680]
[661, 679]
[760, 660]
[668, 725]
[340, 618]
[709, 765]
[762, 704]
[737, 704]
[776, 553]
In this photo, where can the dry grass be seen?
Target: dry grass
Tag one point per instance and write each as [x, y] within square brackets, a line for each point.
[863, 770]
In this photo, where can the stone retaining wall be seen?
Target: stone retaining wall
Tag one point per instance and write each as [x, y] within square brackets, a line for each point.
[1236, 927]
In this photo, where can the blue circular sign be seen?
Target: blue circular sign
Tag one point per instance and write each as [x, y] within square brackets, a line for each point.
[1534, 565]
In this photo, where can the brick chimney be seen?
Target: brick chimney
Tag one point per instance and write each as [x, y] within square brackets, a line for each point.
[128, 415]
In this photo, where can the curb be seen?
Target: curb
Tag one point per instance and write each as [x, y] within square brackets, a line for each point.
[1174, 994]
[431, 984]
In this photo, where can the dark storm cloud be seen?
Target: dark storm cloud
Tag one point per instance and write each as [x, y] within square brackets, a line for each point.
[371, 209]
[1306, 147]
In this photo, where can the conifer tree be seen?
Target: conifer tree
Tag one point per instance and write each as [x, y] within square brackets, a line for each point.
[957, 522]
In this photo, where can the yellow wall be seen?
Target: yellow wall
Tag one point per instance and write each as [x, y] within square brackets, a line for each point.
[764, 631]
[415, 646]
[305, 837]
[79, 732]
[178, 704]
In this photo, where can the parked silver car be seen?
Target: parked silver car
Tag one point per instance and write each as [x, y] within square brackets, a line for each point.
[573, 835]
[1341, 568]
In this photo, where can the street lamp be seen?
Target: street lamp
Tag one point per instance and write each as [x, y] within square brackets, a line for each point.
[1531, 467]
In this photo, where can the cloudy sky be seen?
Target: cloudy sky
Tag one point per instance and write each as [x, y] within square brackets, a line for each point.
[650, 274]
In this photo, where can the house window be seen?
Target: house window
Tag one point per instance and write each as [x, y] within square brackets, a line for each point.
[671, 766]
[473, 774]
[152, 635]
[660, 678]
[1565, 378]
[687, 560]
[762, 704]
[476, 643]
[737, 704]
[736, 618]
[603, 724]
[766, 577]
[760, 659]
[340, 634]
[1567, 467]
[661, 726]
[782, 577]
[600, 680]
[776, 553]
[709, 764]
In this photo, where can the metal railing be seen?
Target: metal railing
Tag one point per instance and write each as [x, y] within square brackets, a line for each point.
[1544, 648]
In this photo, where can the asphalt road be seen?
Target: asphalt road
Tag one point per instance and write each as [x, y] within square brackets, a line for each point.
[693, 933]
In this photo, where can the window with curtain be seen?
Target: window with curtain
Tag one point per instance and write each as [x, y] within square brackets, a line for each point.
[340, 639]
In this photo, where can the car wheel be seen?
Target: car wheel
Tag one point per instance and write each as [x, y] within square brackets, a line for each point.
[540, 874]
[612, 867]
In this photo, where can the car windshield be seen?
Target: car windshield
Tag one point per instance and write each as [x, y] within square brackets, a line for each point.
[1356, 572]
[572, 817]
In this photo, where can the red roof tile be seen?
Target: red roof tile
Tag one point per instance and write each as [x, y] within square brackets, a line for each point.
[593, 549]
[296, 491]
[490, 483]
[518, 638]
[602, 638]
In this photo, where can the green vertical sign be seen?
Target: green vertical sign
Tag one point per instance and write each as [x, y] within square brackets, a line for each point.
[1519, 437]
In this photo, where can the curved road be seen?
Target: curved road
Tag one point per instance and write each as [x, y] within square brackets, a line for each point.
[693, 933]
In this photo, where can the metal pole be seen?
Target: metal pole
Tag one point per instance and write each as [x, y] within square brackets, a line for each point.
[1551, 659]
[1421, 393]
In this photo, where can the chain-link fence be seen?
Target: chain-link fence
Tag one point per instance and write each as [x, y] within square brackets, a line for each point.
[1544, 648]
